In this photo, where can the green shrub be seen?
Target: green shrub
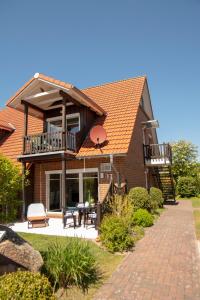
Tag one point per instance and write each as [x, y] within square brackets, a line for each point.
[140, 198]
[138, 232]
[187, 187]
[121, 206]
[11, 185]
[156, 198]
[24, 285]
[142, 218]
[116, 234]
[72, 264]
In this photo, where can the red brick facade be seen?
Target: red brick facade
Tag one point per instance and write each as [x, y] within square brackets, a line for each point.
[115, 106]
[130, 166]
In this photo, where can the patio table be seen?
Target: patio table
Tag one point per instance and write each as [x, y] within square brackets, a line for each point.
[83, 212]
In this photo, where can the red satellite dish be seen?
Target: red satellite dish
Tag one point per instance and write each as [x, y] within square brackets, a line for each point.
[98, 135]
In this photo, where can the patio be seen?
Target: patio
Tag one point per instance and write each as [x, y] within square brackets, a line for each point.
[56, 228]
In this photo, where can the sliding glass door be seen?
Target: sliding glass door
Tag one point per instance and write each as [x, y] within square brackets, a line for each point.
[90, 187]
[80, 187]
[72, 189]
[54, 192]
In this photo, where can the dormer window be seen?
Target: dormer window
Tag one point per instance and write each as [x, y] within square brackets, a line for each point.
[73, 123]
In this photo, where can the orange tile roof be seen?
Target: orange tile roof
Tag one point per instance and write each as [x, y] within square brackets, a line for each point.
[6, 126]
[12, 146]
[41, 76]
[62, 84]
[119, 99]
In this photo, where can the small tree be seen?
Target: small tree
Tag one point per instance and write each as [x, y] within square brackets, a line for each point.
[184, 159]
[121, 206]
[187, 186]
[10, 186]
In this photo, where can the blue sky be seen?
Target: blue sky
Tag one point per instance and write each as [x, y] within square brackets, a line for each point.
[91, 42]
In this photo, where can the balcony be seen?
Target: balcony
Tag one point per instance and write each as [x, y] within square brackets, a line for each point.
[49, 142]
[157, 155]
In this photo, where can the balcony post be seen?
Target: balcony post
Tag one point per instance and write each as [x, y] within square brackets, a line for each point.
[23, 191]
[25, 124]
[63, 185]
[64, 123]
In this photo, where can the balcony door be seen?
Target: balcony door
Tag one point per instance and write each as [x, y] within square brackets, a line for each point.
[73, 123]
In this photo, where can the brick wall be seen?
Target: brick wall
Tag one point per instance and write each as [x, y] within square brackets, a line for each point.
[131, 166]
[40, 177]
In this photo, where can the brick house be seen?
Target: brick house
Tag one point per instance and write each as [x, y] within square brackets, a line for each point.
[45, 128]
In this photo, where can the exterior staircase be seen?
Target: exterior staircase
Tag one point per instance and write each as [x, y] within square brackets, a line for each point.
[158, 157]
[165, 182]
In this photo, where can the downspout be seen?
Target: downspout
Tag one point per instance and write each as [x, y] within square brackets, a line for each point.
[115, 170]
[145, 168]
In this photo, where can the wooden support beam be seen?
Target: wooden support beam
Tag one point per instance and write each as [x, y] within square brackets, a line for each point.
[25, 119]
[64, 123]
[69, 98]
[32, 106]
[25, 125]
[63, 185]
[23, 191]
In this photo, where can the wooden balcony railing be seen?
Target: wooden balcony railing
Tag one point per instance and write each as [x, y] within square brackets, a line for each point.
[156, 154]
[49, 142]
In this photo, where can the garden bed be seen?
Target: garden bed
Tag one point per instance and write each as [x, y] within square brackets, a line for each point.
[106, 261]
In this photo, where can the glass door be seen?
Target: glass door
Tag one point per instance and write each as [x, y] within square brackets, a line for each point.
[80, 187]
[54, 192]
[90, 187]
[72, 189]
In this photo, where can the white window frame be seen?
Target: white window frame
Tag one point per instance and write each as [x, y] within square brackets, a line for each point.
[48, 190]
[70, 116]
[71, 171]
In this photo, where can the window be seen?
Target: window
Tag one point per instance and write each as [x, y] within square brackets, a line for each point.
[54, 192]
[73, 123]
[55, 125]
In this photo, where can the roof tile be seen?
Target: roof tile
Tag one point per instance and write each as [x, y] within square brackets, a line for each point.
[119, 99]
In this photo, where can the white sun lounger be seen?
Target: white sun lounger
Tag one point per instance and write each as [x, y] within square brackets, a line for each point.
[36, 215]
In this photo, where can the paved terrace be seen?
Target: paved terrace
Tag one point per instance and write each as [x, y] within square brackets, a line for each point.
[164, 265]
[56, 228]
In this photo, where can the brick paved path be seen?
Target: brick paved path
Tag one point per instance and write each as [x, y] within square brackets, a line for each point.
[164, 265]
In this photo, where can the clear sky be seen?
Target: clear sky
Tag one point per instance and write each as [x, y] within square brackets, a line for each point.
[89, 42]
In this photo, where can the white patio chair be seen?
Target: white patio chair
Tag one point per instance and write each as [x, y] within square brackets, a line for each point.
[36, 215]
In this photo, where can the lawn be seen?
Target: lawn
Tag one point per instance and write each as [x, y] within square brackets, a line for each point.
[196, 204]
[195, 201]
[107, 262]
[197, 223]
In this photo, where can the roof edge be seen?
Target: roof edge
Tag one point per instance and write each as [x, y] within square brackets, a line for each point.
[20, 91]
[113, 82]
[62, 84]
